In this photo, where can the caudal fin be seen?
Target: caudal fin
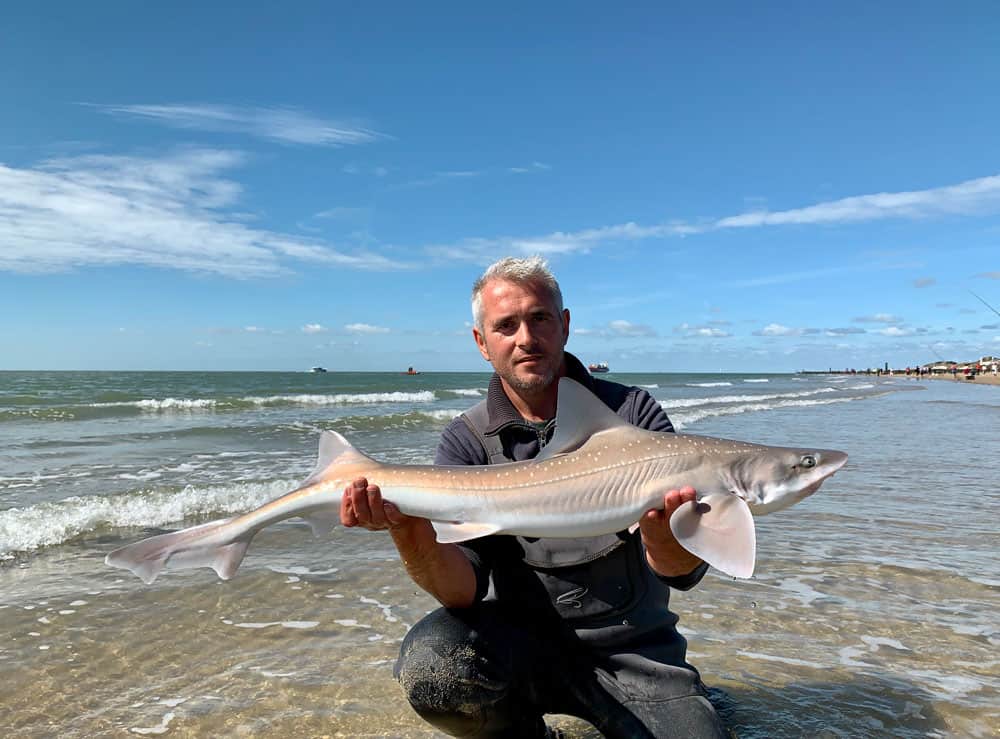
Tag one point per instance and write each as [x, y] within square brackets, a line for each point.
[718, 528]
[197, 546]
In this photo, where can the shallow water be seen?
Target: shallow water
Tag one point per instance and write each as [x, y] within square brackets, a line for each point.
[873, 610]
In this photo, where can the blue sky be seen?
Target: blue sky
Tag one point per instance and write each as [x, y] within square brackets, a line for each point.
[756, 187]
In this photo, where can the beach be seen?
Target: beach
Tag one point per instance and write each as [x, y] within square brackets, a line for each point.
[982, 379]
[872, 611]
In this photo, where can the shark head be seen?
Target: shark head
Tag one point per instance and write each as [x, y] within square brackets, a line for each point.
[780, 478]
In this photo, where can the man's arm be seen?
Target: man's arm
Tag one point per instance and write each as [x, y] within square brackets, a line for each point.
[442, 570]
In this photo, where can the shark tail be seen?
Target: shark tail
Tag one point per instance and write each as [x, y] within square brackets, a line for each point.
[718, 528]
[198, 546]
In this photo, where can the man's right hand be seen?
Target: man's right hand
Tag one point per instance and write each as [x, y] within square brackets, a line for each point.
[362, 505]
[440, 569]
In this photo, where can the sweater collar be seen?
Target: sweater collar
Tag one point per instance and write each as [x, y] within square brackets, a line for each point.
[502, 412]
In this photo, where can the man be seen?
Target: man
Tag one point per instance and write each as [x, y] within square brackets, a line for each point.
[534, 626]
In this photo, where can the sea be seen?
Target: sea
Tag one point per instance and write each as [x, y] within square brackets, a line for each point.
[874, 610]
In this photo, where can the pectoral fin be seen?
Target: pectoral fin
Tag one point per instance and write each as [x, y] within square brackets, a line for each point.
[452, 532]
[323, 520]
[719, 529]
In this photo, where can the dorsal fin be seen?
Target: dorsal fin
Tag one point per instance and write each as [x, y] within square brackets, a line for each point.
[579, 415]
[333, 449]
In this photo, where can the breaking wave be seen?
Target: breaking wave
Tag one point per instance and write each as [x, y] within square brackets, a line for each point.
[208, 405]
[47, 524]
[719, 399]
[686, 418]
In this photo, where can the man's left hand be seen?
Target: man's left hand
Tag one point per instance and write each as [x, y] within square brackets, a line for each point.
[663, 553]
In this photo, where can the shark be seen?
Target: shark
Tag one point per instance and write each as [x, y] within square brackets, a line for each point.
[597, 475]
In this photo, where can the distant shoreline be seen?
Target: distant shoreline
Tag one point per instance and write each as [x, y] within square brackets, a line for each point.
[981, 379]
[984, 379]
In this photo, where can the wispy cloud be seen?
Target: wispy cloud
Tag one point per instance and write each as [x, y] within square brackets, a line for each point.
[365, 328]
[345, 214]
[456, 175]
[440, 177]
[283, 125]
[314, 328]
[971, 196]
[897, 331]
[618, 329]
[845, 331]
[924, 282]
[879, 318]
[787, 277]
[533, 167]
[705, 331]
[990, 275]
[485, 250]
[978, 196]
[777, 329]
[174, 212]
[356, 169]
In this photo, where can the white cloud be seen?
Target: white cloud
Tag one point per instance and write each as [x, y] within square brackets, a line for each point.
[176, 212]
[533, 167]
[626, 328]
[280, 124]
[354, 169]
[314, 328]
[439, 177]
[896, 331]
[341, 213]
[709, 331]
[971, 196]
[879, 318]
[365, 328]
[978, 196]
[618, 329]
[776, 329]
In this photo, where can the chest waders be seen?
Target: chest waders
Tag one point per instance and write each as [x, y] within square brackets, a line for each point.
[591, 582]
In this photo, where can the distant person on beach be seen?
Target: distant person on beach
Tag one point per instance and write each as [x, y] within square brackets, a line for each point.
[535, 626]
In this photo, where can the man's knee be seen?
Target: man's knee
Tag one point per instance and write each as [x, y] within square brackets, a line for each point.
[446, 677]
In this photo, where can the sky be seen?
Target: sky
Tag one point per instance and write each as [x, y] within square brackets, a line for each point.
[721, 186]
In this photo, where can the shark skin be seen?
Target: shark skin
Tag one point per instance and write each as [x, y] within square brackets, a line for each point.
[597, 475]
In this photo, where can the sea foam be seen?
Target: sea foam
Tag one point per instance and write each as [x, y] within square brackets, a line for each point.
[48, 524]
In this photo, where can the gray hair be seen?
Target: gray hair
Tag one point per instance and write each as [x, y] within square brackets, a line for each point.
[520, 271]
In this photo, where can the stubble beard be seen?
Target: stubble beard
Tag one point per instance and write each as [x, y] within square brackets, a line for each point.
[531, 384]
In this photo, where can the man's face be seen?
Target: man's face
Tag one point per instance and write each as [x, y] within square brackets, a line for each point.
[523, 334]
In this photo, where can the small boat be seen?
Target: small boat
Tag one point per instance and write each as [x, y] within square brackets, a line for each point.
[598, 368]
[411, 371]
[318, 369]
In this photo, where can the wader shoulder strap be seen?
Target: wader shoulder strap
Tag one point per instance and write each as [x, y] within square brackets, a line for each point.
[478, 420]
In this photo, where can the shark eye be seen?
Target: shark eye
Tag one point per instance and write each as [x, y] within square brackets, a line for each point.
[808, 461]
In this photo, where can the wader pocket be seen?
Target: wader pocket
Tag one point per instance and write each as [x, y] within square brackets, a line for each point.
[605, 582]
